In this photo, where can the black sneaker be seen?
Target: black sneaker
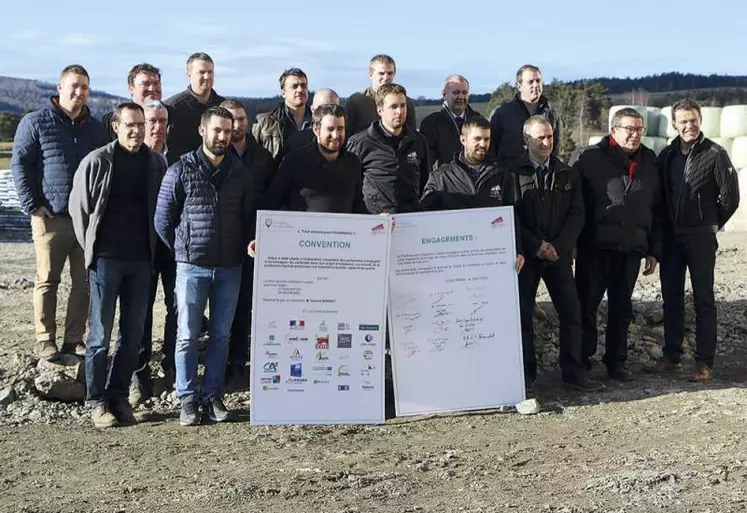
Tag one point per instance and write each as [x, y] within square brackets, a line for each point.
[188, 416]
[215, 410]
[620, 373]
[123, 413]
[582, 383]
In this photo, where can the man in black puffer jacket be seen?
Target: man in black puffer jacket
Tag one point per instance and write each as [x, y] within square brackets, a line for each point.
[701, 190]
[550, 206]
[620, 185]
[206, 216]
[507, 121]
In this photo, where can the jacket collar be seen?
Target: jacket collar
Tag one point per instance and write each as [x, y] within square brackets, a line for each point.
[542, 106]
[54, 106]
[194, 95]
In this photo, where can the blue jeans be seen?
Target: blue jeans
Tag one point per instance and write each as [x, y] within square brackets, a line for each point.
[109, 280]
[196, 285]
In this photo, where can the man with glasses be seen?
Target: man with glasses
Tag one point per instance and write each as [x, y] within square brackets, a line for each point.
[701, 192]
[620, 186]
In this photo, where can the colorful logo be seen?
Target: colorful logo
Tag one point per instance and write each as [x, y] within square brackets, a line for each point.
[369, 337]
[343, 387]
[296, 355]
[342, 370]
[322, 342]
[321, 356]
[379, 227]
[296, 370]
[368, 355]
[270, 367]
[368, 327]
[498, 221]
[297, 324]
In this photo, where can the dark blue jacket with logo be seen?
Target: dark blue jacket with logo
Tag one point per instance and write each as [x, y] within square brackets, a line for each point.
[203, 225]
[47, 150]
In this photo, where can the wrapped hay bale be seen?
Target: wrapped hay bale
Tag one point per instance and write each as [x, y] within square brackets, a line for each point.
[655, 143]
[711, 124]
[652, 121]
[665, 123]
[733, 121]
[595, 139]
[738, 222]
[739, 153]
[724, 142]
[639, 108]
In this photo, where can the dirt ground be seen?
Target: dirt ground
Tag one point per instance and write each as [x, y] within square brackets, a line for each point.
[655, 444]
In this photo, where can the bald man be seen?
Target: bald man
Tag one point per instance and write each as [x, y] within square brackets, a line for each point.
[300, 139]
[443, 128]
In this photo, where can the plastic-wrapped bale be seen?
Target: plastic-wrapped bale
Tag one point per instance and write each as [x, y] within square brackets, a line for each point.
[711, 124]
[655, 143]
[665, 123]
[723, 141]
[734, 121]
[739, 153]
[595, 139]
[652, 121]
[639, 108]
[738, 222]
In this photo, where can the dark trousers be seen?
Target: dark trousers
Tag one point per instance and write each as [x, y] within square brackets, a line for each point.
[696, 253]
[111, 280]
[558, 277]
[164, 267]
[238, 344]
[614, 272]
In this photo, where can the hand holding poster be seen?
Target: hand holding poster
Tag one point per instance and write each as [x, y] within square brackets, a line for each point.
[454, 311]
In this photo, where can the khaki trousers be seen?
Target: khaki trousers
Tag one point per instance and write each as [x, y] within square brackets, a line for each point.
[54, 243]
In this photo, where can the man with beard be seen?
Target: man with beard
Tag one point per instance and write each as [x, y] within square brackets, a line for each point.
[112, 203]
[48, 147]
[362, 109]
[470, 180]
[273, 130]
[550, 206]
[324, 96]
[144, 85]
[394, 156]
[260, 163]
[701, 193]
[188, 106]
[322, 176]
[443, 129]
[507, 121]
[620, 186]
[206, 215]
[164, 267]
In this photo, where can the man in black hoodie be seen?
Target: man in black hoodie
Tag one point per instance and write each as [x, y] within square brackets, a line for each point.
[550, 206]
[701, 193]
[443, 128]
[187, 107]
[394, 156]
[620, 186]
[507, 121]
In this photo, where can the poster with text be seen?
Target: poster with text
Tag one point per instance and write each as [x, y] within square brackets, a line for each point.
[454, 311]
[318, 319]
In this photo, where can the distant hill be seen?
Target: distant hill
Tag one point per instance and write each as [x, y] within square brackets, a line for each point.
[666, 82]
[21, 95]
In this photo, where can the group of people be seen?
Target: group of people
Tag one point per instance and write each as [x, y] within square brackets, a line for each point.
[167, 190]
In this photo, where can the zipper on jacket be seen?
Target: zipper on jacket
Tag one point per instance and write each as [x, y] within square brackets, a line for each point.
[682, 187]
[700, 208]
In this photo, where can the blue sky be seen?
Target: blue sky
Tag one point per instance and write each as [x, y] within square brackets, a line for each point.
[485, 40]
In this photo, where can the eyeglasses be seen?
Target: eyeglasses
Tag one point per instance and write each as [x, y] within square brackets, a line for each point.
[632, 129]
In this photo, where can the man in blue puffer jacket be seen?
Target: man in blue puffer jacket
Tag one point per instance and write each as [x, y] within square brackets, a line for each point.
[206, 215]
[48, 146]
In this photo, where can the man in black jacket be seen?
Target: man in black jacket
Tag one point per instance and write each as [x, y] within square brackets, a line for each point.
[321, 176]
[394, 156]
[701, 193]
[273, 130]
[620, 185]
[362, 109]
[188, 106]
[324, 96]
[144, 85]
[443, 129]
[260, 163]
[550, 206]
[507, 121]
[471, 180]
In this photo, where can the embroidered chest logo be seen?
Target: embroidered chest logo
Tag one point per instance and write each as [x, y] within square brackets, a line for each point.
[495, 192]
[413, 159]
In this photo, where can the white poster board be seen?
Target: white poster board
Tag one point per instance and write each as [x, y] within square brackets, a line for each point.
[318, 318]
[454, 321]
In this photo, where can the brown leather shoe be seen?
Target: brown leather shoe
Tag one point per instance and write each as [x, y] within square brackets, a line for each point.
[702, 374]
[663, 365]
[47, 350]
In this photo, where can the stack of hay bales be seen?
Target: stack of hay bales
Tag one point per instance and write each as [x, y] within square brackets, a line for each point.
[725, 126]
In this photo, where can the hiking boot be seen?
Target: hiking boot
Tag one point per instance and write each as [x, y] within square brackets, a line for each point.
[47, 350]
[702, 374]
[581, 383]
[663, 365]
[102, 418]
[620, 372]
[123, 413]
[76, 348]
[188, 416]
[215, 410]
